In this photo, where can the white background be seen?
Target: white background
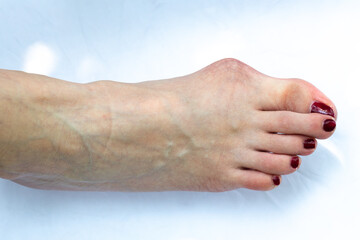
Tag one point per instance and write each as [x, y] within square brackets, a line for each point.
[132, 41]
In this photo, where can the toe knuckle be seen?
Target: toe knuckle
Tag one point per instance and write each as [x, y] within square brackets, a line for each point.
[313, 125]
[284, 121]
[269, 163]
[257, 184]
[277, 164]
[263, 186]
[290, 94]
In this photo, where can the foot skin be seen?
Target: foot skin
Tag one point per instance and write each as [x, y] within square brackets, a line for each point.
[224, 127]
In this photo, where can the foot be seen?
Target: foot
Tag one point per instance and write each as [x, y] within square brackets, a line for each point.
[224, 127]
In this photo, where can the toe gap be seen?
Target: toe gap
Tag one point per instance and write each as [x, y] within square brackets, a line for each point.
[262, 150]
[245, 168]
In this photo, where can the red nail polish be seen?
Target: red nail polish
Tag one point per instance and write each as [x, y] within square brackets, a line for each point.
[276, 180]
[329, 125]
[295, 162]
[319, 107]
[309, 143]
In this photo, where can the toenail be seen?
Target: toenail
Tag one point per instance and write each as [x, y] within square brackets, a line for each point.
[319, 107]
[329, 125]
[309, 143]
[295, 162]
[276, 180]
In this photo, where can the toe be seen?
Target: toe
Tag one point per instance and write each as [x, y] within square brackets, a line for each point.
[315, 125]
[255, 180]
[271, 163]
[295, 95]
[283, 144]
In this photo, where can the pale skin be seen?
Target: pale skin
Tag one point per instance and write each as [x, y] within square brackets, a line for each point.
[224, 127]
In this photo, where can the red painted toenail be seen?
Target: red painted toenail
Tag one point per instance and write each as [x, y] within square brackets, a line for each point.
[295, 162]
[319, 107]
[276, 180]
[309, 143]
[329, 125]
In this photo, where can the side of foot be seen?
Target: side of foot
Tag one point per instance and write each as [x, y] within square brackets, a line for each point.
[224, 127]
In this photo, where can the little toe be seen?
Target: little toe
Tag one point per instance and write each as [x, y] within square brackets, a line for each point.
[255, 180]
[315, 125]
[271, 163]
[284, 144]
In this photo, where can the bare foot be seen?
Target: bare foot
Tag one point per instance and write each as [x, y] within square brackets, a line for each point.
[224, 127]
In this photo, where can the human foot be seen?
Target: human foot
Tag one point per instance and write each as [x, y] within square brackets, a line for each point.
[224, 127]
[243, 128]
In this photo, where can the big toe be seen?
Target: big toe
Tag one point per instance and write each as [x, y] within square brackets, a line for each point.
[294, 95]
